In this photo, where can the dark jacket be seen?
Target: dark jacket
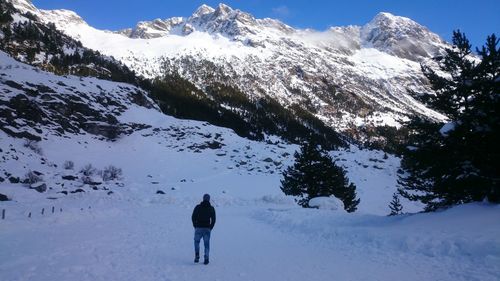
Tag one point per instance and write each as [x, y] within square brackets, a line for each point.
[203, 215]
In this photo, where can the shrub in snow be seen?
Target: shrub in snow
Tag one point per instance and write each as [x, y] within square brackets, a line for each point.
[68, 165]
[395, 205]
[88, 170]
[328, 203]
[33, 145]
[88, 180]
[111, 173]
[315, 174]
[32, 177]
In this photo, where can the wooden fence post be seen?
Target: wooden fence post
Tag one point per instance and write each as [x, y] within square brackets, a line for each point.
[43, 210]
[53, 209]
[29, 215]
[3, 214]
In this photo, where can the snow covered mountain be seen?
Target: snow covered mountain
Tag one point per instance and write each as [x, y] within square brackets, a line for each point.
[355, 78]
[224, 20]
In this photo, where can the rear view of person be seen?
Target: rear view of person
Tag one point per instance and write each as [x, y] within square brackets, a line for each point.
[203, 221]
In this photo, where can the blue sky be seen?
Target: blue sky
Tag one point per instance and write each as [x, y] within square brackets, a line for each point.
[477, 18]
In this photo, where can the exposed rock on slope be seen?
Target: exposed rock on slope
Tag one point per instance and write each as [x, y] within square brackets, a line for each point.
[33, 101]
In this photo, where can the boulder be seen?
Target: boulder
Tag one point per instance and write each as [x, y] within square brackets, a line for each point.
[39, 186]
[69, 178]
[160, 192]
[3, 197]
[14, 180]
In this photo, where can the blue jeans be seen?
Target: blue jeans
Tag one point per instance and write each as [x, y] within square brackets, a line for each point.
[202, 232]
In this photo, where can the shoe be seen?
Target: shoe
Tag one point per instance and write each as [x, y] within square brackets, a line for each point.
[197, 258]
[206, 260]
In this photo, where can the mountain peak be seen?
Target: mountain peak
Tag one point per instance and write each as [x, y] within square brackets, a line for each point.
[223, 9]
[386, 15]
[388, 19]
[203, 10]
[400, 36]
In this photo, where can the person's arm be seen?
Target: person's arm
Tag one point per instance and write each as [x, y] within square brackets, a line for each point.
[194, 215]
[212, 223]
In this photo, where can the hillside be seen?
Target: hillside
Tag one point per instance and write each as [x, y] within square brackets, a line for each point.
[69, 121]
[27, 38]
[355, 79]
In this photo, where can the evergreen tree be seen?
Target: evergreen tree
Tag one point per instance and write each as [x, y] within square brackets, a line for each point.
[395, 205]
[454, 162]
[6, 10]
[315, 174]
[349, 198]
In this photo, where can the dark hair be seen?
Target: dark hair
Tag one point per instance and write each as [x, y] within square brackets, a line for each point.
[206, 197]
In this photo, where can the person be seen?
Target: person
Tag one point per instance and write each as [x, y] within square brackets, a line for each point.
[203, 222]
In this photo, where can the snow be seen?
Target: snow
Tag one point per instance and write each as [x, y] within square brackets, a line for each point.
[447, 128]
[119, 46]
[375, 178]
[123, 239]
[16, 18]
[377, 64]
[329, 203]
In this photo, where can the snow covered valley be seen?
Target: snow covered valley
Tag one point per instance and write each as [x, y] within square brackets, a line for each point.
[126, 229]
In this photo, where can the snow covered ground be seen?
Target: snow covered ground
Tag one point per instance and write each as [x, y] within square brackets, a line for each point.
[136, 234]
[151, 239]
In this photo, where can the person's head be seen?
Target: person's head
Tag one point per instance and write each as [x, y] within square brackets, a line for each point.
[206, 198]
